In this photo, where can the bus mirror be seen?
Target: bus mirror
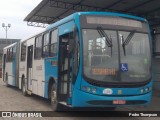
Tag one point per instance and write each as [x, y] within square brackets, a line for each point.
[74, 31]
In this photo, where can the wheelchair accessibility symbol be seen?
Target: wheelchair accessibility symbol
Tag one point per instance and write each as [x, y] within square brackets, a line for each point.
[124, 67]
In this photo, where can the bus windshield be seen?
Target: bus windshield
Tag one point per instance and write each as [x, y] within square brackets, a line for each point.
[126, 59]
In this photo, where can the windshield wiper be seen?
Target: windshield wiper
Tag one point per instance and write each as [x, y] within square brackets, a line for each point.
[123, 46]
[103, 34]
[125, 42]
[107, 39]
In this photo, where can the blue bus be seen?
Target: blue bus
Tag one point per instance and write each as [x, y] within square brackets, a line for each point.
[88, 59]
[10, 64]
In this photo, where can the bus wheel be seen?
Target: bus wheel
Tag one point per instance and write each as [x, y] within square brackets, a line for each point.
[6, 80]
[54, 102]
[24, 92]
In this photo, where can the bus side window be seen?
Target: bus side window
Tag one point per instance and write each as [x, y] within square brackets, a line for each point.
[14, 53]
[38, 48]
[23, 51]
[10, 55]
[53, 45]
[7, 55]
[45, 51]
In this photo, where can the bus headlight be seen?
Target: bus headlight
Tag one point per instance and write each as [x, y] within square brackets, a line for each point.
[146, 89]
[94, 90]
[88, 89]
[142, 90]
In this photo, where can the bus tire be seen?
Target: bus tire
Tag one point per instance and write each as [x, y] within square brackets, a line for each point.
[54, 102]
[6, 80]
[23, 86]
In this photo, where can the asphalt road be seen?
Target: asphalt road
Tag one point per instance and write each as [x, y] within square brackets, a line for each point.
[11, 99]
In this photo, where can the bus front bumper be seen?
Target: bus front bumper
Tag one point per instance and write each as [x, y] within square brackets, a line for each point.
[83, 99]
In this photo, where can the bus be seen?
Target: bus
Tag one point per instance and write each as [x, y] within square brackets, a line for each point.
[88, 59]
[10, 68]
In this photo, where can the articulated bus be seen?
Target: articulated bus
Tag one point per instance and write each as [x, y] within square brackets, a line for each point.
[88, 59]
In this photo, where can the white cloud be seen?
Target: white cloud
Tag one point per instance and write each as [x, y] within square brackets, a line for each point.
[14, 12]
[17, 8]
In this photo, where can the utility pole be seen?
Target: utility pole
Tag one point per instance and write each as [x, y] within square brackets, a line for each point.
[6, 27]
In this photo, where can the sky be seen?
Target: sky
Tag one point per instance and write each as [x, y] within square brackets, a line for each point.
[13, 12]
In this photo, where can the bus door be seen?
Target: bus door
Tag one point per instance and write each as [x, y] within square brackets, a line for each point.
[4, 65]
[65, 69]
[29, 67]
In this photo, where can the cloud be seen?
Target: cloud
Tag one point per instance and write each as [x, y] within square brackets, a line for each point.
[17, 8]
[13, 12]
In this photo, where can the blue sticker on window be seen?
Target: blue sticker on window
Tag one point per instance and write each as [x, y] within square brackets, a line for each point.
[124, 67]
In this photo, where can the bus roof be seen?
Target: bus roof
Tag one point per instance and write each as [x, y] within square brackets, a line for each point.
[11, 45]
[25, 39]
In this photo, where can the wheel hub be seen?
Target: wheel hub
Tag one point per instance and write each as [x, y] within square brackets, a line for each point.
[54, 97]
[24, 89]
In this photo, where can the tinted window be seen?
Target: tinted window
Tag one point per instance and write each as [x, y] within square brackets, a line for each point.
[38, 48]
[9, 54]
[53, 43]
[23, 51]
[46, 45]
